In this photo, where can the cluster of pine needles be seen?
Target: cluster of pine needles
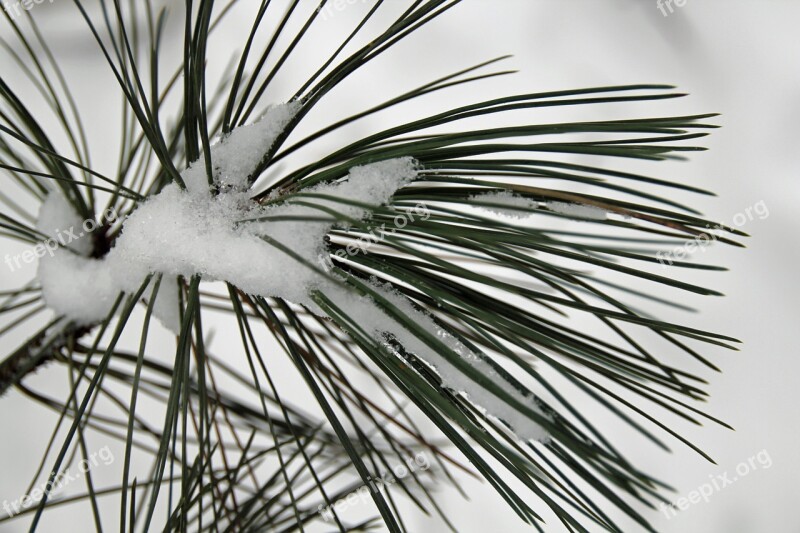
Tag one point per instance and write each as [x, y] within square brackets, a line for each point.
[234, 450]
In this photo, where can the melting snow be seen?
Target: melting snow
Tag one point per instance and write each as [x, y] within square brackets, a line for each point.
[579, 211]
[512, 205]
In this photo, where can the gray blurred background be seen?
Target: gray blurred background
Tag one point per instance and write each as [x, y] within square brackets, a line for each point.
[740, 58]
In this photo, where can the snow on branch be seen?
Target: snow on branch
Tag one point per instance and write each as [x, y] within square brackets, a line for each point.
[269, 251]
